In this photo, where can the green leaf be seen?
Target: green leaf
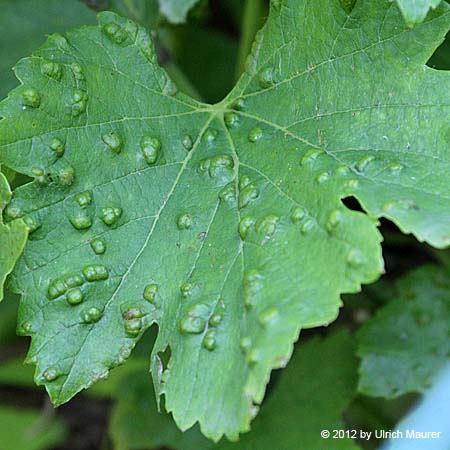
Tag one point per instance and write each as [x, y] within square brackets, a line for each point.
[222, 223]
[25, 429]
[176, 10]
[14, 373]
[415, 11]
[407, 341]
[24, 25]
[309, 397]
[13, 236]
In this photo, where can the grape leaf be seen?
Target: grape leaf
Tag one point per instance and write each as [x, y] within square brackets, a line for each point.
[176, 10]
[406, 343]
[415, 11]
[24, 24]
[310, 396]
[27, 429]
[14, 373]
[222, 223]
[13, 236]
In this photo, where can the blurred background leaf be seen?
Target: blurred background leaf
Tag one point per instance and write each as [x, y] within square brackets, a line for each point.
[205, 56]
[407, 342]
[25, 429]
[24, 24]
[176, 10]
[136, 424]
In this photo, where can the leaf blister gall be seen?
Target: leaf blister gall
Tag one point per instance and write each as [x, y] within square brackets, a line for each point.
[184, 221]
[113, 140]
[84, 198]
[74, 296]
[31, 98]
[79, 103]
[57, 146]
[187, 142]
[110, 215]
[91, 315]
[66, 176]
[150, 293]
[150, 147]
[81, 221]
[98, 246]
[32, 224]
[52, 69]
[95, 272]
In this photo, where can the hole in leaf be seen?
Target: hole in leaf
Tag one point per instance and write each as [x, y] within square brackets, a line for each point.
[164, 357]
[348, 5]
[20, 179]
[352, 203]
[440, 59]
